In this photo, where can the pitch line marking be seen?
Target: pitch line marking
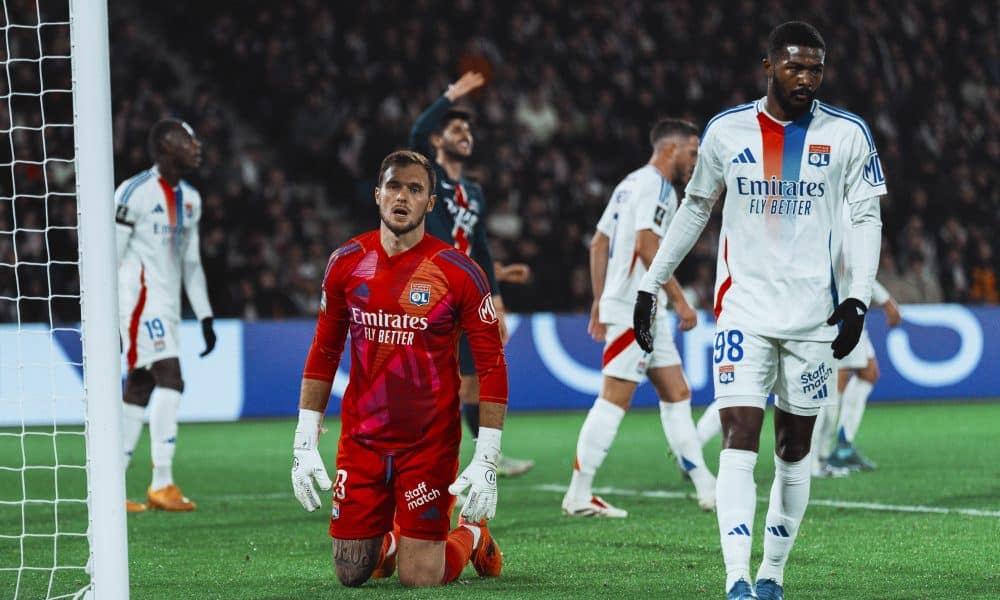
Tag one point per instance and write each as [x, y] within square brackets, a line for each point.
[613, 491]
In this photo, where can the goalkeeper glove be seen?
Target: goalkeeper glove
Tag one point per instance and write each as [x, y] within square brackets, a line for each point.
[642, 319]
[307, 464]
[851, 313]
[481, 476]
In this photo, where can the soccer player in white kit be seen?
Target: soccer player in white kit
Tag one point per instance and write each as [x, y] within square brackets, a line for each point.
[788, 163]
[628, 234]
[857, 374]
[157, 218]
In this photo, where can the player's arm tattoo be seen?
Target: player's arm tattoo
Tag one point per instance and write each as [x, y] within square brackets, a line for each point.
[354, 560]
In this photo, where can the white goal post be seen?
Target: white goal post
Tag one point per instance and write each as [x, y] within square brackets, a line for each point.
[99, 297]
[62, 483]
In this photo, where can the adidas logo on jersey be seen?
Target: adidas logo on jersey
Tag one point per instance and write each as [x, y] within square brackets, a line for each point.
[431, 513]
[158, 209]
[362, 290]
[745, 157]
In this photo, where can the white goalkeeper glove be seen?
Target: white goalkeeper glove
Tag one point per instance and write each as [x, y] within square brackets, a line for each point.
[481, 476]
[307, 464]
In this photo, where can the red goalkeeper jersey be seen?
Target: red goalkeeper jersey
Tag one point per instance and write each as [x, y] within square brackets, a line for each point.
[404, 314]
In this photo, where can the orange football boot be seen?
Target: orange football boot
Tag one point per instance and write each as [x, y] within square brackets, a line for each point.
[388, 566]
[134, 507]
[487, 558]
[169, 498]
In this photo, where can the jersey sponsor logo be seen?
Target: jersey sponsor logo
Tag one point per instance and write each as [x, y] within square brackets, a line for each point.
[872, 172]
[819, 155]
[815, 381]
[727, 374]
[487, 312]
[388, 320]
[388, 328]
[420, 294]
[420, 496]
[787, 188]
[745, 157]
[158, 209]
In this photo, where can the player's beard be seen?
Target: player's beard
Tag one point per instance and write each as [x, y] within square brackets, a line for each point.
[785, 99]
[452, 153]
[398, 230]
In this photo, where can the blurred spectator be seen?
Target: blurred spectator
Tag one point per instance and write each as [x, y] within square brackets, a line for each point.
[297, 102]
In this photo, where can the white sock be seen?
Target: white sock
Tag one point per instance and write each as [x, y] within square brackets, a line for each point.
[709, 425]
[683, 440]
[596, 436]
[823, 434]
[476, 533]
[853, 402]
[133, 417]
[163, 404]
[736, 498]
[789, 497]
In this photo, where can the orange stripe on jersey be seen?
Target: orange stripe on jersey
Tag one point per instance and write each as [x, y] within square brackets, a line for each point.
[725, 284]
[618, 346]
[133, 324]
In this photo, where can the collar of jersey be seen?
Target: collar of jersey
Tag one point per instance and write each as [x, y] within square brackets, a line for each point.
[760, 109]
[419, 245]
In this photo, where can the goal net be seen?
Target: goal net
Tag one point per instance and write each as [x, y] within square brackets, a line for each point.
[62, 526]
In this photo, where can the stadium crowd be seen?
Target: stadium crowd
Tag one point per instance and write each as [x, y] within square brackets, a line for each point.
[297, 102]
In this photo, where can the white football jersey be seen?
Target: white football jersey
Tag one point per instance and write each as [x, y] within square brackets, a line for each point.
[643, 200]
[786, 185]
[880, 295]
[158, 246]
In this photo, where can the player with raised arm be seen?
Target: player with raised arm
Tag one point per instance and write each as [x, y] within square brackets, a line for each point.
[443, 134]
[405, 297]
[788, 163]
[628, 234]
[157, 218]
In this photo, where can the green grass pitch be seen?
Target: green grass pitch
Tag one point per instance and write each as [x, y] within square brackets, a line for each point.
[929, 528]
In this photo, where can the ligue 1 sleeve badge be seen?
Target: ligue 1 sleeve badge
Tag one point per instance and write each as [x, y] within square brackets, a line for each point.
[420, 294]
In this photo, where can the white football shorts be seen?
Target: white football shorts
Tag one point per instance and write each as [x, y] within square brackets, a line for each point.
[149, 336]
[624, 359]
[858, 358]
[748, 367]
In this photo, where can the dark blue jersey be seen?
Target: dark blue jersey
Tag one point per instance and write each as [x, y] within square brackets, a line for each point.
[459, 217]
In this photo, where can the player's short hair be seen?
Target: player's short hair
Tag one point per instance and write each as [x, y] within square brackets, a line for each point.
[794, 33]
[161, 130]
[665, 128]
[402, 158]
[453, 114]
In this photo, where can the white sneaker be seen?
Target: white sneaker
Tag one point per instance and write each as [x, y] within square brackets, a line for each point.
[595, 506]
[512, 467]
[825, 470]
[704, 486]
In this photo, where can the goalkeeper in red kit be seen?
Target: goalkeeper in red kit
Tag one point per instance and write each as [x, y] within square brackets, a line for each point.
[405, 297]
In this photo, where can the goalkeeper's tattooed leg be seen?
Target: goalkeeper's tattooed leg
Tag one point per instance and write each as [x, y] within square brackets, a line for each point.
[354, 560]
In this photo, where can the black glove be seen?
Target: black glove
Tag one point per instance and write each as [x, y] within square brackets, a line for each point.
[851, 313]
[642, 320]
[209, 334]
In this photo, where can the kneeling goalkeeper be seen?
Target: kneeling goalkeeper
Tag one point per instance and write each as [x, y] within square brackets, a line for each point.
[405, 297]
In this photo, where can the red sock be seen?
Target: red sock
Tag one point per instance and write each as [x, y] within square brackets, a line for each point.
[457, 551]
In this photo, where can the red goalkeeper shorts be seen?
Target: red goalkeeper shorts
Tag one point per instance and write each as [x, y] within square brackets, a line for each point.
[372, 489]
